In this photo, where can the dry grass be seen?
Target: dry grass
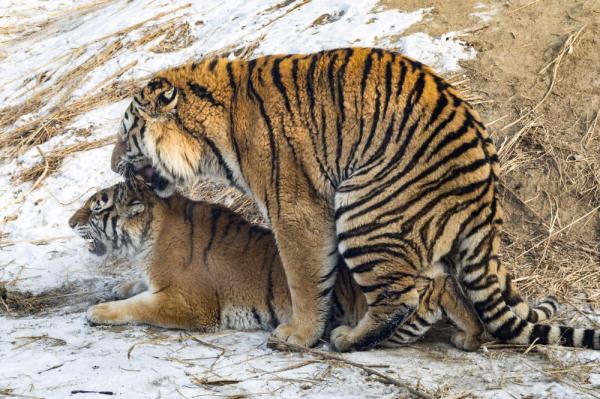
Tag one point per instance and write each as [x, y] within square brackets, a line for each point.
[176, 38]
[558, 253]
[51, 161]
[50, 106]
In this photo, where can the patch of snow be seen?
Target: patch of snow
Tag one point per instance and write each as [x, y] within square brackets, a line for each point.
[55, 355]
[444, 51]
[485, 13]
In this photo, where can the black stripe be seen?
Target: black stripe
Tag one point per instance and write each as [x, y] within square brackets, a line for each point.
[215, 214]
[449, 138]
[274, 321]
[412, 100]
[363, 86]
[390, 296]
[442, 102]
[157, 83]
[405, 331]
[276, 75]
[271, 132]
[401, 79]
[488, 306]
[324, 133]
[422, 321]
[374, 123]
[540, 333]
[220, 160]
[382, 146]
[566, 334]
[532, 316]
[370, 288]
[341, 111]
[511, 328]
[204, 94]
[256, 316]
[295, 80]
[388, 86]
[496, 315]
[232, 119]
[213, 64]
[366, 266]
[376, 249]
[588, 339]
[544, 310]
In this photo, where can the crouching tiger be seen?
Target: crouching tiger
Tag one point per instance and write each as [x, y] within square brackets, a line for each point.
[207, 268]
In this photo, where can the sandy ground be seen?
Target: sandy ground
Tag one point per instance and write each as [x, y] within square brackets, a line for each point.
[532, 69]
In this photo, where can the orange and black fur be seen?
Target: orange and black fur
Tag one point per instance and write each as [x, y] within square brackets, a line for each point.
[207, 268]
[361, 152]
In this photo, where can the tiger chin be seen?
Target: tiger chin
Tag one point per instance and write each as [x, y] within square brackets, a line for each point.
[206, 268]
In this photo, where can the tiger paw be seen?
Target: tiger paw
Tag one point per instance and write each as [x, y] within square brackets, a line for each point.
[128, 289]
[466, 342]
[290, 334]
[103, 314]
[341, 339]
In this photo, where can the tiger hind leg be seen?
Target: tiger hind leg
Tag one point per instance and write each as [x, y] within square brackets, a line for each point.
[442, 296]
[385, 272]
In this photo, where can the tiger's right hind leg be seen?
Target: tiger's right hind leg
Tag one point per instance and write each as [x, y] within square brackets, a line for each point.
[384, 268]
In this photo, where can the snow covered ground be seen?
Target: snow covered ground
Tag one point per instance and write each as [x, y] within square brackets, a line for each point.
[55, 353]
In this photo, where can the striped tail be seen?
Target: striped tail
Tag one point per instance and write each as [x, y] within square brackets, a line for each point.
[544, 310]
[507, 326]
[481, 275]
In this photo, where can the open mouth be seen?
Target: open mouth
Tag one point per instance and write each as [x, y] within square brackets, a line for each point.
[152, 178]
[96, 247]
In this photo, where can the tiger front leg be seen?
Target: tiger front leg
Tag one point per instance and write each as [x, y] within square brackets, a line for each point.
[162, 309]
[144, 308]
[306, 241]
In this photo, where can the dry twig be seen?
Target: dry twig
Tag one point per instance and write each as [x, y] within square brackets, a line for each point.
[337, 358]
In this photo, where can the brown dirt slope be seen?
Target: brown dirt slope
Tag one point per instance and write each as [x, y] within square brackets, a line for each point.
[537, 74]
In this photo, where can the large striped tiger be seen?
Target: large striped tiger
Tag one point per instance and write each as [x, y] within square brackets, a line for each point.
[207, 268]
[359, 152]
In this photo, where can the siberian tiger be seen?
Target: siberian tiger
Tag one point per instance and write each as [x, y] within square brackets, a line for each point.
[362, 152]
[206, 268]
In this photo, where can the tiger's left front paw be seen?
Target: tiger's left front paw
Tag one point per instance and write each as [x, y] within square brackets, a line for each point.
[103, 313]
[342, 339]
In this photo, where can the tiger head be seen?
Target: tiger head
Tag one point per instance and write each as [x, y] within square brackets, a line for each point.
[116, 219]
[168, 132]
